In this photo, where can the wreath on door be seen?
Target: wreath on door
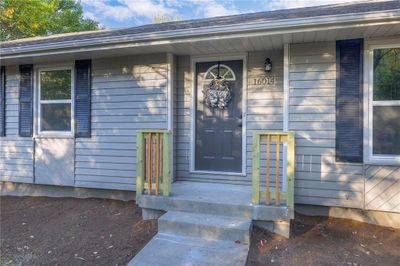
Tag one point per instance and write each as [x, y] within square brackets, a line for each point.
[217, 94]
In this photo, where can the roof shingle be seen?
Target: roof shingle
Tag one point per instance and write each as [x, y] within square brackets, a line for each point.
[297, 13]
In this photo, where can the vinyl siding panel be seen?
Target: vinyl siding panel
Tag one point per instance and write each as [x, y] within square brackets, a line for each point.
[382, 188]
[264, 112]
[16, 153]
[183, 116]
[319, 180]
[128, 94]
[54, 161]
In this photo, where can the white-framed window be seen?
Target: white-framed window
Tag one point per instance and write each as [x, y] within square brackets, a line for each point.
[55, 101]
[384, 104]
[222, 70]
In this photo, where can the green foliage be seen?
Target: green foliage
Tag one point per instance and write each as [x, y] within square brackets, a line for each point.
[29, 18]
[387, 74]
[55, 84]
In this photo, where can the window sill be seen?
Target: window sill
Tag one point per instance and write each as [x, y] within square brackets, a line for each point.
[394, 161]
[54, 136]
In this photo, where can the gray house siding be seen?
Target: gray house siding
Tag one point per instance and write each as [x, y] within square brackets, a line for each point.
[382, 188]
[319, 179]
[182, 115]
[264, 112]
[128, 93]
[16, 153]
[54, 161]
[264, 105]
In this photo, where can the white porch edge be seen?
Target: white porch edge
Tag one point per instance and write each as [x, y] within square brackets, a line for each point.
[286, 73]
[170, 96]
[170, 90]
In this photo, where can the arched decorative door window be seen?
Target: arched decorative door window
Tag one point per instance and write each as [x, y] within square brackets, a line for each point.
[217, 93]
[225, 72]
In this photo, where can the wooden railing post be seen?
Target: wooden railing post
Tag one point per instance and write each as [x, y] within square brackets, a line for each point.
[277, 166]
[279, 138]
[291, 153]
[139, 163]
[153, 162]
[167, 157]
[256, 169]
[268, 171]
[149, 160]
[158, 157]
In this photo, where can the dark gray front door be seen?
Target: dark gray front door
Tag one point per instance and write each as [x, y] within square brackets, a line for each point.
[219, 131]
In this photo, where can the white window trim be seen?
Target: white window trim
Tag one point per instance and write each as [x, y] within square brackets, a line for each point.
[39, 102]
[369, 157]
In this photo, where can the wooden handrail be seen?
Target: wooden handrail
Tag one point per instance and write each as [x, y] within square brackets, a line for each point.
[278, 137]
[153, 162]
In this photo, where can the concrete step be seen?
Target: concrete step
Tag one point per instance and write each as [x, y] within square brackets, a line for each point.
[205, 226]
[167, 250]
[219, 199]
[211, 206]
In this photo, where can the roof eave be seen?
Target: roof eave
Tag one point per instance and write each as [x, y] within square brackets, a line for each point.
[252, 28]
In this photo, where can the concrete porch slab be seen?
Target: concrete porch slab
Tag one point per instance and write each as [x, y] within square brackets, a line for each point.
[212, 198]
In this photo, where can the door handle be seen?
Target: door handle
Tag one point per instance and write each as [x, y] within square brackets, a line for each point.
[240, 124]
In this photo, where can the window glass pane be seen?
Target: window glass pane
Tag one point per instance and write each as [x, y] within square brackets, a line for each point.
[386, 74]
[56, 117]
[386, 130]
[226, 73]
[223, 72]
[55, 85]
[212, 74]
[209, 76]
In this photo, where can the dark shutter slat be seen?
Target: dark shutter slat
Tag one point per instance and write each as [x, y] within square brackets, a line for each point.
[2, 101]
[349, 101]
[26, 101]
[83, 98]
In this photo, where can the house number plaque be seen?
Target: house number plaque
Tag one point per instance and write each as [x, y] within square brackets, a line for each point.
[264, 81]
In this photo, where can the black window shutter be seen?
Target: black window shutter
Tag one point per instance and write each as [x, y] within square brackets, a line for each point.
[83, 98]
[2, 101]
[349, 101]
[26, 101]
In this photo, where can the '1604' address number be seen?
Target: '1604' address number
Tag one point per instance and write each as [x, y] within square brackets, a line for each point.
[264, 81]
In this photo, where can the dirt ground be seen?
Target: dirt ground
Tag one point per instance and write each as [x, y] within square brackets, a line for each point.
[327, 241]
[66, 231]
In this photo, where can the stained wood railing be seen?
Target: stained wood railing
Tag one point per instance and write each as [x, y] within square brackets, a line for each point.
[268, 194]
[153, 167]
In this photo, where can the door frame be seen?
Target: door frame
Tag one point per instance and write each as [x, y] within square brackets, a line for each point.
[210, 58]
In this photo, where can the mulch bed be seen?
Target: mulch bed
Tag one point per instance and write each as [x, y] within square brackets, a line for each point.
[67, 231]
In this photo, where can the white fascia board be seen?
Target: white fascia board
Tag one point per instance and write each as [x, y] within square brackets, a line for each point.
[208, 33]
